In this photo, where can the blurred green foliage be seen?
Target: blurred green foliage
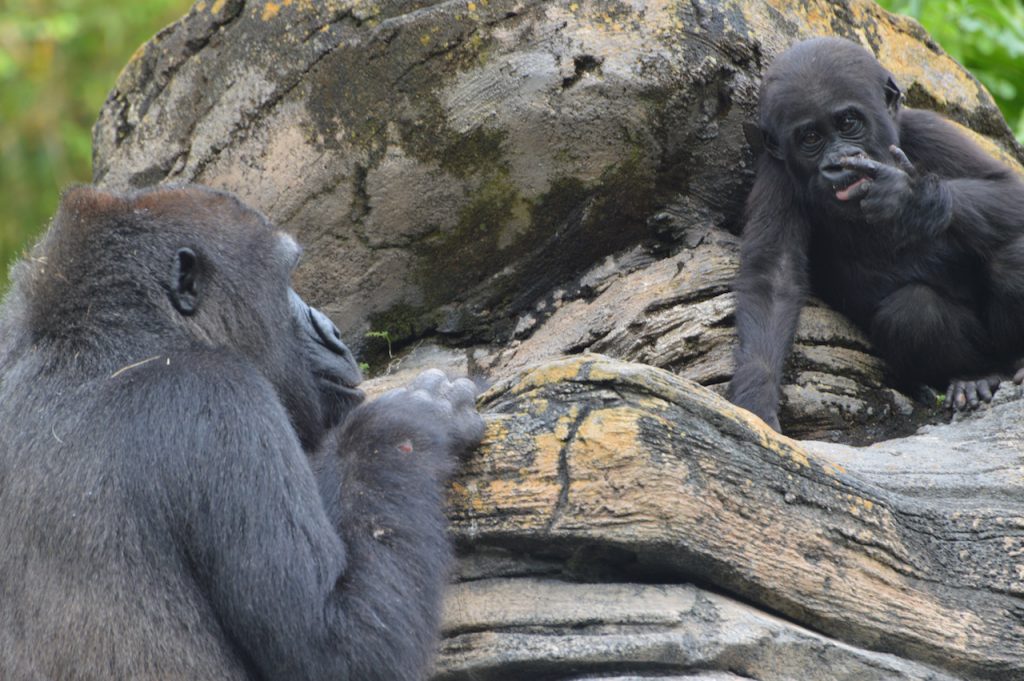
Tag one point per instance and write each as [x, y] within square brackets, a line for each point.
[986, 37]
[58, 61]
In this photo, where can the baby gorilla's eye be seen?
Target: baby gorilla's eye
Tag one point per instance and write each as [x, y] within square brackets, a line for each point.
[850, 124]
[810, 141]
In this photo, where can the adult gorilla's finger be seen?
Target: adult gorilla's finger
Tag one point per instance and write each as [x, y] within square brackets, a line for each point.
[462, 393]
[430, 380]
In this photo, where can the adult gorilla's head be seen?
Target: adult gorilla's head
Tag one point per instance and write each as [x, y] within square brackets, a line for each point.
[823, 101]
[137, 276]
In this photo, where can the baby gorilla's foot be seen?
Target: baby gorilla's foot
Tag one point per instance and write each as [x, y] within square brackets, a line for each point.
[969, 394]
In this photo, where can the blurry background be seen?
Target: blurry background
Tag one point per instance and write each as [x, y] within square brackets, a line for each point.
[986, 37]
[58, 61]
[60, 58]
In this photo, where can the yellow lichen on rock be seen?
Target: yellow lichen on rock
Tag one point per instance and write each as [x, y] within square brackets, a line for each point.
[518, 472]
[859, 505]
[814, 18]
[548, 374]
[271, 9]
[606, 435]
[609, 465]
[911, 62]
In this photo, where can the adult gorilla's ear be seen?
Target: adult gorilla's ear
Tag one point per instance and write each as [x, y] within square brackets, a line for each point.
[184, 289]
[761, 140]
[893, 95]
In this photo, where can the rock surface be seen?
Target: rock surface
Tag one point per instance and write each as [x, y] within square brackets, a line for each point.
[488, 185]
[530, 627]
[525, 178]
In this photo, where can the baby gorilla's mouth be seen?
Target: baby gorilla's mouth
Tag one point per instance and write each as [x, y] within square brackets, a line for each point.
[843, 193]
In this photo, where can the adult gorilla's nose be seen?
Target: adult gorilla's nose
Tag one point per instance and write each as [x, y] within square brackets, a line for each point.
[322, 331]
[328, 332]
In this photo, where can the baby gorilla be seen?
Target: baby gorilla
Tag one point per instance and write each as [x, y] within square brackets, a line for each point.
[190, 484]
[892, 216]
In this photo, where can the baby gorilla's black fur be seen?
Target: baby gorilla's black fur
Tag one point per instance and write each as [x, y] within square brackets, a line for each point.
[189, 485]
[892, 216]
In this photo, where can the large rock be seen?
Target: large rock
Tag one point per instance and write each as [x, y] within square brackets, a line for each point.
[529, 627]
[487, 185]
[462, 169]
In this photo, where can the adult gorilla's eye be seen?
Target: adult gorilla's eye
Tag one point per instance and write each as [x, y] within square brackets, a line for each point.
[850, 124]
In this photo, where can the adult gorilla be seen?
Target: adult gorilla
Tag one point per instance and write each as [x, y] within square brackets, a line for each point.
[890, 215]
[164, 392]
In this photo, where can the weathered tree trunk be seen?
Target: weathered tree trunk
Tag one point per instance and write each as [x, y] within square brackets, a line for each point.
[628, 471]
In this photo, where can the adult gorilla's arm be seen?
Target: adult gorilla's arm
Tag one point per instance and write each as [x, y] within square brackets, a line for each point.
[245, 504]
[311, 586]
[382, 479]
[771, 288]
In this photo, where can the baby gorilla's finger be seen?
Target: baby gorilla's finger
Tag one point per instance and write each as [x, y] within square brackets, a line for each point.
[956, 396]
[860, 190]
[971, 388]
[901, 160]
[984, 390]
[866, 166]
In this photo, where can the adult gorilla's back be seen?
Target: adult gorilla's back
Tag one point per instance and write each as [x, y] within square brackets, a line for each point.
[163, 394]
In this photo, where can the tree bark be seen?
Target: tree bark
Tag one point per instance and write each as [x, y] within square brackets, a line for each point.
[590, 453]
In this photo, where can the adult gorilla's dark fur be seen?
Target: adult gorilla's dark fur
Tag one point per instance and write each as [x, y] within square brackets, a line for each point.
[892, 216]
[189, 485]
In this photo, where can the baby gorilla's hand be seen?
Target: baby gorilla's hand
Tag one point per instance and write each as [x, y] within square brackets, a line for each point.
[886, 189]
[898, 195]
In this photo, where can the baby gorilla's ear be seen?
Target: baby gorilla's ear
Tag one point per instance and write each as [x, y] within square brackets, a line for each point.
[893, 96]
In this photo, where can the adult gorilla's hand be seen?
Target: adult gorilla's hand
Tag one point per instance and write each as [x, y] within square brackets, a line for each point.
[432, 409]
